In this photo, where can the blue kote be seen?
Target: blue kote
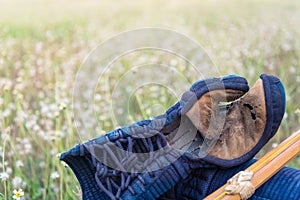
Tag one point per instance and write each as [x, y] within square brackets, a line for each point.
[212, 133]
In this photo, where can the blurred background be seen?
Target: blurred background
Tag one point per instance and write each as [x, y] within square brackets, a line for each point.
[44, 43]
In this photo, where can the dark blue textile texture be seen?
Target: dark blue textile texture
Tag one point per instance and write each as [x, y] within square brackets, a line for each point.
[200, 183]
[186, 176]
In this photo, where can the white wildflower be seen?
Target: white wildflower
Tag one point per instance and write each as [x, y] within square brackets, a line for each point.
[9, 170]
[4, 176]
[19, 163]
[17, 182]
[18, 194]
[54, 175]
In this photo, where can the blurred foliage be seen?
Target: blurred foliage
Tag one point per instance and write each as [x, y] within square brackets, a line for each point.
[43, 44]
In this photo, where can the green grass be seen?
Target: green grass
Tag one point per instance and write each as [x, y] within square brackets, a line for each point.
[43, 44]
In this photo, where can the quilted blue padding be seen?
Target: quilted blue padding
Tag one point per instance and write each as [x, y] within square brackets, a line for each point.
[201, 87]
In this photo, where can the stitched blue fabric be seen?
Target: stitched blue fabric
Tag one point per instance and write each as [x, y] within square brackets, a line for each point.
[200, 183]
[187, 170]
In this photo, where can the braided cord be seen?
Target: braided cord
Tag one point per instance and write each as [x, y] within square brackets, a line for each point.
[141, 140]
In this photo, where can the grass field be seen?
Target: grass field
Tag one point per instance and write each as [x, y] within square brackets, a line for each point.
[43, 44]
